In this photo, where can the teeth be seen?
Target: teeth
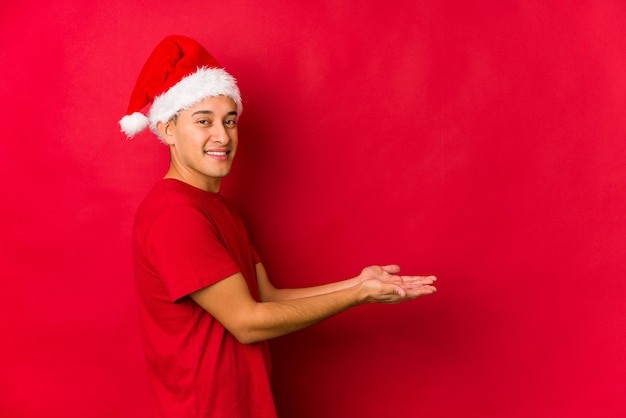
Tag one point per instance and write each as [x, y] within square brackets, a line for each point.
[216, 152]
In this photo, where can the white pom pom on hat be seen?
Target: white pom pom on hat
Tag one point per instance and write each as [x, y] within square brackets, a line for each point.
[134, 123]
[178, 74]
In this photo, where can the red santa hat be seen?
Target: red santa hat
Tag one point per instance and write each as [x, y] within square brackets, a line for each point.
[178, 74]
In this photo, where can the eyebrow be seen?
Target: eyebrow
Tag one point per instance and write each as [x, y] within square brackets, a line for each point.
[210, 112]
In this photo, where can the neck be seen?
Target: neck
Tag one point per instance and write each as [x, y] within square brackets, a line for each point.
[207, 184]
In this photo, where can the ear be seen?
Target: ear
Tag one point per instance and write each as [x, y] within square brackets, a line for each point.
[166, 131]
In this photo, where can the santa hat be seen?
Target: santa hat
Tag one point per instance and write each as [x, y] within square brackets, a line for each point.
[178, 74]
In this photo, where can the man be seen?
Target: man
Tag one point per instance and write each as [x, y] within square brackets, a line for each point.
[206, 304]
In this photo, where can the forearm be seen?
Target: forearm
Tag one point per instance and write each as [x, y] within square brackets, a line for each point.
[307, 292]
[274, 319]
[269, 293]
[230, 302]
[268, 320]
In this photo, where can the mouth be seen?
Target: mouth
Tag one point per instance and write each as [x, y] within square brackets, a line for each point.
[218, 155]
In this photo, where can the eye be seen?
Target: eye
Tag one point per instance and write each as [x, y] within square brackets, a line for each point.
[204, 121]
[230, 123]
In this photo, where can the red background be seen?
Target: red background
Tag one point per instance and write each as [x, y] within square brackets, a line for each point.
[479, 141]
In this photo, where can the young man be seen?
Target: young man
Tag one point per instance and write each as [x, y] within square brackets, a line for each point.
[206, 304]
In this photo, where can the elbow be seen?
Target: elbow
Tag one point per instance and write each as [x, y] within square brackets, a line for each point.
[247, 337]
[254, 326]
[247, 332]
[249, 341]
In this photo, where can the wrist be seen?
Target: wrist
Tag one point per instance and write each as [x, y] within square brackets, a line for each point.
[355, 281]
[362, 292]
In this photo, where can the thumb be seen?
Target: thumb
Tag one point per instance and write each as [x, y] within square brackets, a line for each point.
[399, 291]
[391, 268]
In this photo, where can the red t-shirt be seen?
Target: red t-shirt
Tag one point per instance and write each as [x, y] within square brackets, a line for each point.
[185, 239]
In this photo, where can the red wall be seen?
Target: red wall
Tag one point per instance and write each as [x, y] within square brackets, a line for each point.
[479, 141]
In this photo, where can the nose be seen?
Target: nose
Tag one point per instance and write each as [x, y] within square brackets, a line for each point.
[220, 135]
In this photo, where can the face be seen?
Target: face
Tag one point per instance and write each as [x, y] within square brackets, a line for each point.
[203, 141]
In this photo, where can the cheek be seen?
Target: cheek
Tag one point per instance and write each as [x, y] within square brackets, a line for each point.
[189, 138]
[234, 137]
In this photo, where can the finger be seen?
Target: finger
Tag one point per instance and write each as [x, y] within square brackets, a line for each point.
[419, 279]
[420, 291]
[416, 285]
[432, 278]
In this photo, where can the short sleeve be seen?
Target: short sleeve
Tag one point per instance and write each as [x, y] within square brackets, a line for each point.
[186, 250]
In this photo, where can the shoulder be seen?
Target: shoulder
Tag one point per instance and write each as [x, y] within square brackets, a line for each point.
[179, 205]
[168, 193]
[168, 200]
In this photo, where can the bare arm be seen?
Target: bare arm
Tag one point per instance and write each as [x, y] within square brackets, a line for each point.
[269, 293]
[230, 302]
[386, 274]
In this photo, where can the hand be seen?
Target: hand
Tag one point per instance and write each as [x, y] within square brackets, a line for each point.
[382, 284]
